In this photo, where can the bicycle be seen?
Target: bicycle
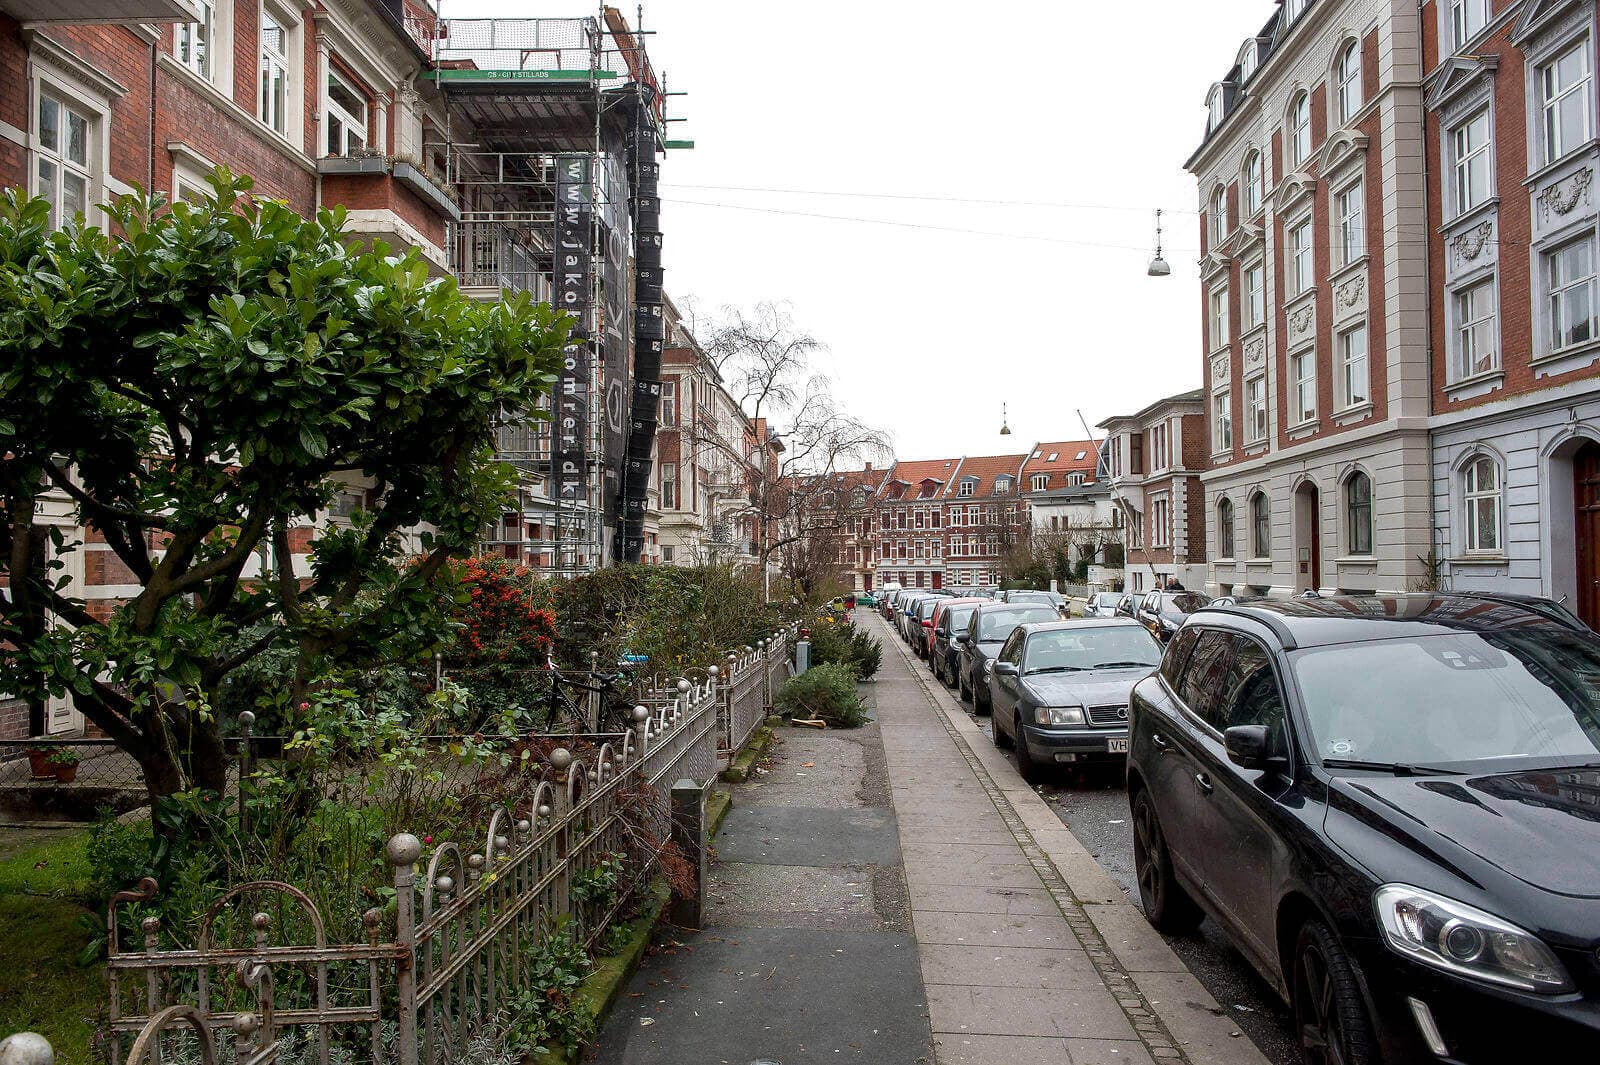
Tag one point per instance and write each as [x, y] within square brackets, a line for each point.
[615, 712]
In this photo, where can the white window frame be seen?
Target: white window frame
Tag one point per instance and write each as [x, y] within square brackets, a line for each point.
[1350, 209]
[1551, 105]
[1475, 314]
[1217, 316]
[284, 119]
[1467, 20]
[1302, 263]
[1214, 109]
[1040, 482]
[1255, 409]
[92, 100]
[1253, 305]
[1252, 180]
[1556, 298]
[669, 404]
[1219, 215]
[1474, 496]
[1221, 421]
[669, 486]
[1354, 368]
[1227, 528]
[1347, 81]
[349, 123]
[1470, 160]
[1260, 514]
[194, 43]
[57, 160]
[968, 485]
[1303, 385]
[1161, 521]
[1299, 128]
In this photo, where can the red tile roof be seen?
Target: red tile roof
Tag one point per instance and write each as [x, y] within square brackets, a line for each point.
[940, 471]
[986, 468]
[1066, 461]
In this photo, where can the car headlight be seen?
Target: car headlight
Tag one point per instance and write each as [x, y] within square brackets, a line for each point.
[1460, 939]
[1058, 715]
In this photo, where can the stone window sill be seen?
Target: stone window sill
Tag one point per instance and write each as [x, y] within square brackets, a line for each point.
[1479, 384]
[1352, 414]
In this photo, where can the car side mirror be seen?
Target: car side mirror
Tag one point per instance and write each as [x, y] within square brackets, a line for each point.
[960, 637]
[1006, 669]
[1250, 747]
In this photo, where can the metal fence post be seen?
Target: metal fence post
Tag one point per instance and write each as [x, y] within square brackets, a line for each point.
[247, 718]
[766, 678]
[689, 833]
[592, 698]
[403, 852]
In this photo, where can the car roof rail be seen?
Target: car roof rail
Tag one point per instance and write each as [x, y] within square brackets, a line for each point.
[1264, 617]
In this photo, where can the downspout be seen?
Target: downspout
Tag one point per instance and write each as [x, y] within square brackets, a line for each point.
[155, 51]
[1427, 324]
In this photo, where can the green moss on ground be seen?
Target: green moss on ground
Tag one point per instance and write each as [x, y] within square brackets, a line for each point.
[44, 885]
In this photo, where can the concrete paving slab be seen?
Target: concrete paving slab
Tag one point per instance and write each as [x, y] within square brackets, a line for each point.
[990, 966]
[963, 898]
[1019, 875]
[800, 835]
[1001, 1050]
[1088, 1013]
[1108, 1052]
[993, 929]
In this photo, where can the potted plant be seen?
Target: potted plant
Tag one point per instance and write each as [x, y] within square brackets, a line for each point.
[65, 763]
[39, 763]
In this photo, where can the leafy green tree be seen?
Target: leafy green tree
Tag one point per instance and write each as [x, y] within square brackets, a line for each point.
[197, 383]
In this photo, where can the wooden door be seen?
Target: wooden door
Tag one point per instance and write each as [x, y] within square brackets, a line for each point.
[1586, 539]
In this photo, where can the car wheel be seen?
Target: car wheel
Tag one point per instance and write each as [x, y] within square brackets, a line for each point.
[1330, 1015]
[1030, 771]
[1166, 905]
[997, 734]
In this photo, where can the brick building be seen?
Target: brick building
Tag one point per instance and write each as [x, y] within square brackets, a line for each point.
[1515, 354]
[1153, 462]
[985, 516]
[1314, 297]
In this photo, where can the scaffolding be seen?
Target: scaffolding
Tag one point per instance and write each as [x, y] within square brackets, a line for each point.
[552, 128]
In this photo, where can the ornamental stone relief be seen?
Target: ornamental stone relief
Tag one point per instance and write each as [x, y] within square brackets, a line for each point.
[1300, 321]
[1255, 353]
[1470, 245]
[1349, 294]
[1562, 196]
[1219, 369]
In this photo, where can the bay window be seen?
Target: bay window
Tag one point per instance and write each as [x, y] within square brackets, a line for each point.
[346, 120]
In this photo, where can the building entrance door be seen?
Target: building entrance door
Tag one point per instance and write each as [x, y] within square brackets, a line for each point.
[1586, 538]
[1307, 538]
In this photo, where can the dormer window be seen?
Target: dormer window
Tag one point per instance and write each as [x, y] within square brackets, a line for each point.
[967, 487]
[1075, 479]
[1247, 59]
[1292, 9]
[1214, 109]
[1040, 482]
[1003, 486]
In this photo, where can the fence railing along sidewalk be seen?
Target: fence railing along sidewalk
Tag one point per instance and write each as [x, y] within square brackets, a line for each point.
[465, 914]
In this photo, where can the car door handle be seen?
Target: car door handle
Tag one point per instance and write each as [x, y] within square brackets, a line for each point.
[1204, 783]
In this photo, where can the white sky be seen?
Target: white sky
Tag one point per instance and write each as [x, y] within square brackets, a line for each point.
[928, 332]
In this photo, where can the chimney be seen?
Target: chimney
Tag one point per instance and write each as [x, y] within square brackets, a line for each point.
[869, 467]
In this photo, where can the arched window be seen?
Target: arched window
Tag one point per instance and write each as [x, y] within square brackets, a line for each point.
[1247, 59]
[1358, 514]
[1480, 489]
[1260, 526]
[1219, 215]
[1214, 106]
[1251, 180]
[1225, 528]
[1300, 129]
[1347, 78]
[1292, 9]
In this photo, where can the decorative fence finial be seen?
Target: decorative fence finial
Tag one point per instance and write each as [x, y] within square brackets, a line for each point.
[404, 850]
[26, 1048]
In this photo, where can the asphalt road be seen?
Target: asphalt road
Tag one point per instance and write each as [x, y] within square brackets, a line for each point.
[1094, 805]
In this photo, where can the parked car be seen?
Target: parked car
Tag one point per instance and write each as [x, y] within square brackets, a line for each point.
[1390, 806]
[1059, 690]
[866, 599]
[949, 629]
[1052, 599]
[1163, 612]
[911, 622]
[1128, 605]
[1101, 605]
[922, 635]
[987, 629]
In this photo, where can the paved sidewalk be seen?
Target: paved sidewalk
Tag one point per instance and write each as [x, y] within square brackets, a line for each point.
[1030, 954]
[896, 894]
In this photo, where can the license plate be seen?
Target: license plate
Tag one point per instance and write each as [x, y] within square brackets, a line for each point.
[1118, 745]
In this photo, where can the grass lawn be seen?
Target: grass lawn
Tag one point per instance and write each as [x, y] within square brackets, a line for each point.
[44, 880]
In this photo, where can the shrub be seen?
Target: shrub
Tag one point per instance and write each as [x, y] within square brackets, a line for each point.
[868, 653]
[826, 692]
[842, 644]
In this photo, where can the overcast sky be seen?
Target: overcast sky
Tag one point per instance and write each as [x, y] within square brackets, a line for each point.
[1061, 102]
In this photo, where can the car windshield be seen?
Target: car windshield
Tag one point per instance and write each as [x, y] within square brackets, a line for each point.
[1461, 697]
[1081, 647]
[959, 616]
[927, 607]
[1105, 599]
[997, 624]
[1181, 603]
[1030, 597]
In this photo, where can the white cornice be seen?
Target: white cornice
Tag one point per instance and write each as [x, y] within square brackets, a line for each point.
[43, 47]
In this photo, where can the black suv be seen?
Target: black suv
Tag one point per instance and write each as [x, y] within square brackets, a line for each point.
[1392, 807]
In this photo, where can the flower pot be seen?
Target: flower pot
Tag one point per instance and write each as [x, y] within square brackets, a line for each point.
[39, 765]
[66, 774]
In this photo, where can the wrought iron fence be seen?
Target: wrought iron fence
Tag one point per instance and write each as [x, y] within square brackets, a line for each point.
[753, 676]
[452, 949]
